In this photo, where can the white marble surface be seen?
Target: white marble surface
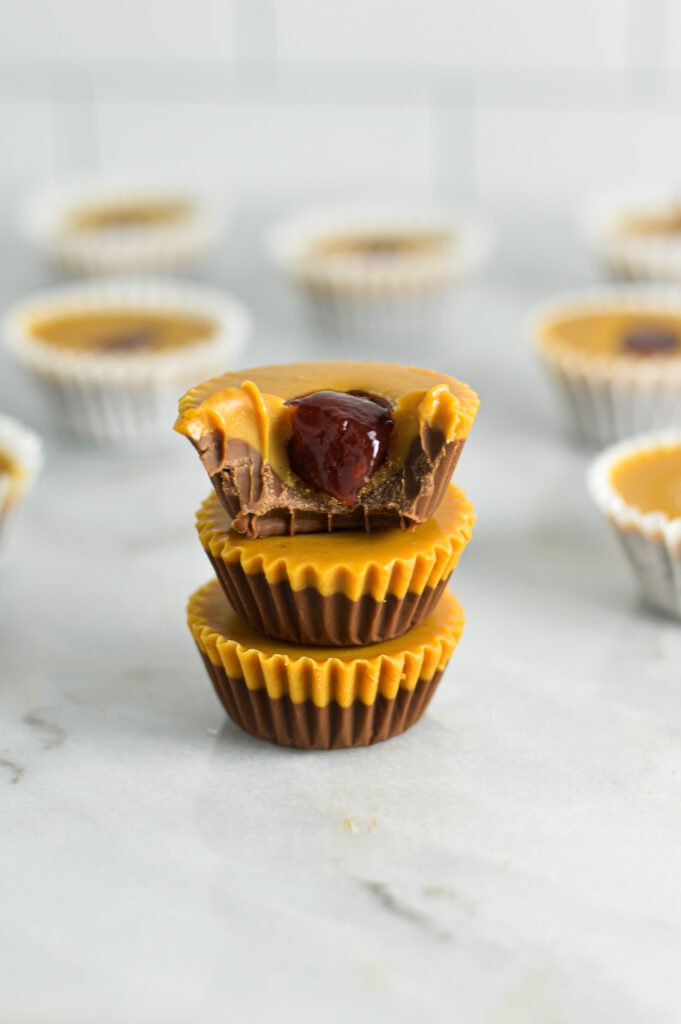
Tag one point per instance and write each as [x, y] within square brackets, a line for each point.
[514, 858]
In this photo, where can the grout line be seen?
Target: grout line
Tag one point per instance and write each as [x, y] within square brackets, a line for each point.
[255, 29]
[648, 30]
[452, 148]
[260, 81]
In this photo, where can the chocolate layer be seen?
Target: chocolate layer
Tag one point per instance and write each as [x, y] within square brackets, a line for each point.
[309, 727]
[307, 617]
[262, 505]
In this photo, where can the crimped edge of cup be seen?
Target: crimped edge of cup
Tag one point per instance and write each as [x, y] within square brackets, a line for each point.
[654, 525]
[397, 576]
[659, 533]
[327, 679]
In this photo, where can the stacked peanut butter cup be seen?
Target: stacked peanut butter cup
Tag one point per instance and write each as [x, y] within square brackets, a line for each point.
[332, 531]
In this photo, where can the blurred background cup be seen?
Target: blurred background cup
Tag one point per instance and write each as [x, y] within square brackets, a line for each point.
[108, 225]
[378, 270]
[21, 460]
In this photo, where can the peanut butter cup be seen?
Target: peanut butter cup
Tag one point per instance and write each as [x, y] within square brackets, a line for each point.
[351, 589]
[321, 698]
[378, 449]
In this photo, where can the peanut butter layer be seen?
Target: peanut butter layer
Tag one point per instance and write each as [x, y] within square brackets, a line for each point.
[128, 213]
[249, 405]
[241, 426]
[380, 245]
[12, 480]
[605, 334]
[354, 564]
[651, 480]
[113, 331]
[322, 674]
[655, 222]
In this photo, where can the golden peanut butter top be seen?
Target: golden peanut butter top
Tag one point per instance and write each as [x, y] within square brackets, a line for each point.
[12, 480]
[322, 674]
[379, 563]
[651, 223]
[128, 213]
[379, 244]
[651, 480]
[595, 333]
[110, 331]
[249, 405]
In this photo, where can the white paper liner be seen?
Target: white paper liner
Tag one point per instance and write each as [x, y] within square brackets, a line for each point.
[651, 542]
[126, 250]
[125, 399]
[635, 257]
[610, 397]
[26, 450]
[356, 295]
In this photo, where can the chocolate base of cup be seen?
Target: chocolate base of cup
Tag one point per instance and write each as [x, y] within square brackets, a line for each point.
[308, 727]
[260, 504]
[308, 617]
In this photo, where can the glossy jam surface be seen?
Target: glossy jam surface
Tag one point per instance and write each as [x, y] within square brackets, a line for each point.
[121, 332]
[650, 341]
[339, 440]
[651, 480]
[131, 213]
[612, 333]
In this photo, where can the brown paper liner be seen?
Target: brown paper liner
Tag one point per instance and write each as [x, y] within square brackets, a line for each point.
[309, 727]
[308, 617]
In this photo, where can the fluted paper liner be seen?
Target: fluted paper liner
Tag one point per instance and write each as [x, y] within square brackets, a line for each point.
[321, 684]
[150, 247]
[125, 399]
[626, 254]
[609, 397]
[355, 296]
[652, 541]
[339, 591]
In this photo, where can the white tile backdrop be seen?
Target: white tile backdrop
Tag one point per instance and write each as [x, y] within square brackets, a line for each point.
[487, 99]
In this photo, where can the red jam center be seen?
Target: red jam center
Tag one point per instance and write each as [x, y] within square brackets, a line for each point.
[650, 341]
[126, 341]
[339, 440]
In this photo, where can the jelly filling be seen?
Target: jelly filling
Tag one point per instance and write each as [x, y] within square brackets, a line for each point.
[650, 341]
[126, 341]
[339, 440]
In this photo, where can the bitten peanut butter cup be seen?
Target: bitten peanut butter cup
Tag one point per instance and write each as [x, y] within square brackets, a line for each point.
[353, 589]
[316, 447]
[321, 698]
